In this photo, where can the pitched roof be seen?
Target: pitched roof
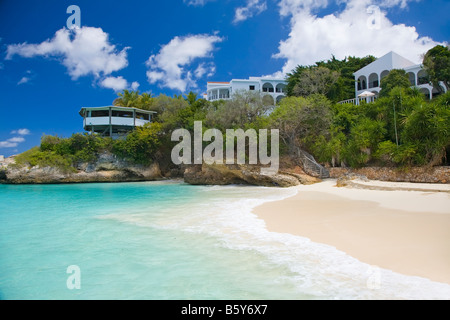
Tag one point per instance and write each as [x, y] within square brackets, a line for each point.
[389, 61]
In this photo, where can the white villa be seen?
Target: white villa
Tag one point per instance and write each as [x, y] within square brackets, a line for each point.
[275, 88]
[369, 77]
[114, 121]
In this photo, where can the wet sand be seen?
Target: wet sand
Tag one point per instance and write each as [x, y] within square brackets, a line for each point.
[405, 231]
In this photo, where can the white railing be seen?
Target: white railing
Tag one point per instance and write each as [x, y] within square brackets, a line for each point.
[218, 97]
[118, 121]
[357, 101]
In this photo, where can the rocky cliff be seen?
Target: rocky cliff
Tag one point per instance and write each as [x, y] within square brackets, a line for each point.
[108, 168]
[414, 174]
[243, 174]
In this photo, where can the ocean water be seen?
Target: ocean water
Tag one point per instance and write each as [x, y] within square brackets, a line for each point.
[170, 240]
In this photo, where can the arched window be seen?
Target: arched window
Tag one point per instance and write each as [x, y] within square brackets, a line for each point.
[373, 80]
[426, 92]
[280, 97]
[281, 88]
[384, 74]
[267, 87]
[412, 78]
[422, 77]
[362, 83]
[268, 100]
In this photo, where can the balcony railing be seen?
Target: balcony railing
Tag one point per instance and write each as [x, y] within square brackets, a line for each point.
[357, 101]
[218, 97]
[117, 121]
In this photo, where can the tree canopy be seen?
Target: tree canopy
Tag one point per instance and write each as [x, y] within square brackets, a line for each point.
[395, 78]
[437, 64]
[341, 71]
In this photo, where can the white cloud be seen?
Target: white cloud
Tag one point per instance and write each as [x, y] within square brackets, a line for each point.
[118, 84]
[134, 85]
[22, 132]
[8, 144]
[253, 8]
[115, 83]
[23, 80]
[16, 139]
[346, 33]
[196, 3]
[171, 66]
[83, 51]
[292, 7]
[205, 69]
[11, 143]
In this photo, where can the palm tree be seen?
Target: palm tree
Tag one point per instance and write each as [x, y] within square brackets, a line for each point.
[128, 99]
[145, 101]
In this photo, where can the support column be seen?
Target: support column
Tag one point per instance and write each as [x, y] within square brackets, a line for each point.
[110, 122]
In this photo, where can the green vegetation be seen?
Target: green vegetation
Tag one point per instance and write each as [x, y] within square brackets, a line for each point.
[401, 128]
[437, 64]
[333, 78]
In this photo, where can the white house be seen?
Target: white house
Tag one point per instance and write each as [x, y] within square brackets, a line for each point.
[2, 158]
[114, 121]
[275, 88]
[369, 77]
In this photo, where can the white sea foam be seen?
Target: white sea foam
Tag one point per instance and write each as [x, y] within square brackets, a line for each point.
[225, 213]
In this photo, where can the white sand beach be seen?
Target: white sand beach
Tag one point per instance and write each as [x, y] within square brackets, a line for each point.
[404, 231]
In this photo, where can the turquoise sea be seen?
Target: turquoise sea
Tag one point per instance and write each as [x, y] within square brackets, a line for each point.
[170, 240]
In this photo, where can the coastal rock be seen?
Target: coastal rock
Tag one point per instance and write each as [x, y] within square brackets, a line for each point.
[106, 169]
[414, 174]
[236, 174]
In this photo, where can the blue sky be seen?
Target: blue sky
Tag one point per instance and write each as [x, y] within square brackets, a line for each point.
[48, 72]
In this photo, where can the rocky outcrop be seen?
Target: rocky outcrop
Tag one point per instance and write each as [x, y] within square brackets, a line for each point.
[107, 168]
[414, 174]
[242, 174]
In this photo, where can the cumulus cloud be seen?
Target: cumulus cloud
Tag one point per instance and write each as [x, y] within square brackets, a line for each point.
[196, 3]
[22, 132]
[253, 8]
[115, 83]
[83, 51]
[118, 84]
[172, 66]
[17, 139]
[134, 85]
[23, 80]
[354, 31]
[8, 144]
[12, 142]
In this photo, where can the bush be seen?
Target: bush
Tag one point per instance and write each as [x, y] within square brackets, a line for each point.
[36, 157]
[140, 145]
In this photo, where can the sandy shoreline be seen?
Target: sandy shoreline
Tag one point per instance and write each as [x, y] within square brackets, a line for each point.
[404, 231]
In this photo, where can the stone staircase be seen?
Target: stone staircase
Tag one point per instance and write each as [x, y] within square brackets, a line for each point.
[310, 165]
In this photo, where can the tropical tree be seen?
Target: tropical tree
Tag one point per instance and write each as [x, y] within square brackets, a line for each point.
[301, 120]
[395, 78]
[344, 87]
[242, 111]
[316, 80]
[437, 64]
[128, 99]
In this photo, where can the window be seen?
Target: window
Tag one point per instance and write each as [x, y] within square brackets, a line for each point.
[251, 87]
